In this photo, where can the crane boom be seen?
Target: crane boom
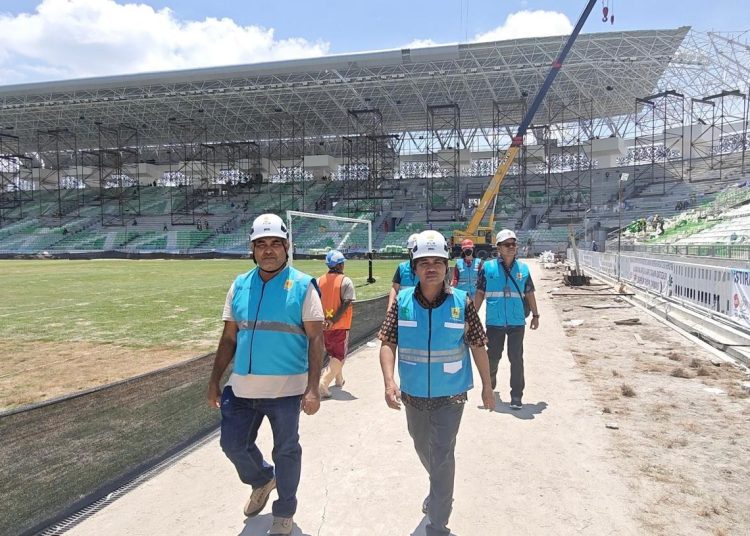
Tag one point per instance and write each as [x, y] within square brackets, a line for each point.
[474, 230]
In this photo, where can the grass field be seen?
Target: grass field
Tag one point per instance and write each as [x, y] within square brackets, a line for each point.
[70, 325]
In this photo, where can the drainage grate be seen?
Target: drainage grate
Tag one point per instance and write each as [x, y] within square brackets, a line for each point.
[61, 527]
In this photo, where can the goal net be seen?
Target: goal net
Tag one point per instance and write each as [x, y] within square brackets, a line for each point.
[317, 234]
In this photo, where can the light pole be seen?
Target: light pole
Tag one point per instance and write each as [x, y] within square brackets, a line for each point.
[623, 178]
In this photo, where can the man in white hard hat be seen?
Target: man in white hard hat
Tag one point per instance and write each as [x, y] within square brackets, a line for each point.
[507, 285]
[433, 326]
[337, 294]
[404, 276]
[273, 329]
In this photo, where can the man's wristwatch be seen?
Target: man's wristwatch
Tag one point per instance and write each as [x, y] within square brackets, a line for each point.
[534, 316]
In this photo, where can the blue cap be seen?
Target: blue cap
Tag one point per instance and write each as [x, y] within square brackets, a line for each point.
[334, 258]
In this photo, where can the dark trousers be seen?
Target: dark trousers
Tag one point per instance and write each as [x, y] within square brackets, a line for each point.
[497, 336]
[240, 420]
[434, 434]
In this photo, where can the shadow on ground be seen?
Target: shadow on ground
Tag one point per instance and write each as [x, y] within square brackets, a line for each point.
[259, 526]
[527, 412]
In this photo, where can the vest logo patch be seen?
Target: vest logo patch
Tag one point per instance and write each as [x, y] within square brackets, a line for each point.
[455, 312]
[403, 313]
[329, 313]
[288, 284]
[519, 276]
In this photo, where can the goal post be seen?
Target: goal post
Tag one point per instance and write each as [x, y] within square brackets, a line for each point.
[338, 231]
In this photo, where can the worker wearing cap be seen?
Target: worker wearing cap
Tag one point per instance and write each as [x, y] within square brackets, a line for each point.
[337, 294]
[506, 284]
[404, 276]
[466, 270]
[273, 331]
[433, 326]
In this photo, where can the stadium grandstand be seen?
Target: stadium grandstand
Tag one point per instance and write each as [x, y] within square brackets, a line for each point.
[638, 123]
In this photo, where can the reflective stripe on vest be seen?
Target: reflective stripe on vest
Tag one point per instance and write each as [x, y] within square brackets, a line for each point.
[433, 358]
[271, 340]
[330, 293]
[467, 276]
[504, 303]
[408, 277]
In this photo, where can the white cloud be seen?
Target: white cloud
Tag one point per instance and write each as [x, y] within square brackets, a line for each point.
[526, 23]
[421, 43]
[79, 38]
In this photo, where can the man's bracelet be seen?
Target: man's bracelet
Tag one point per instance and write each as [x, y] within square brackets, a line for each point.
[534, 316]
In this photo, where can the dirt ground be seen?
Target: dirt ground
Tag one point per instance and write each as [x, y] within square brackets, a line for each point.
[681, 442]
[35, 371]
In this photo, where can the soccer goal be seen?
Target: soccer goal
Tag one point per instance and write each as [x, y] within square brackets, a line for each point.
[317, 234]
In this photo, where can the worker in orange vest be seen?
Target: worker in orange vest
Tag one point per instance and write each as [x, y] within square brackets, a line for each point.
[337, 295]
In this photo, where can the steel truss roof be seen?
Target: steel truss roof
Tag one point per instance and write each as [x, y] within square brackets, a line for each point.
[249, 101]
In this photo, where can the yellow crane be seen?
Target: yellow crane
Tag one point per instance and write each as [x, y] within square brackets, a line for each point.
[480, 234]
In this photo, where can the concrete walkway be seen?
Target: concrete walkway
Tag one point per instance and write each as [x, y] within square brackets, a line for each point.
[539, 471]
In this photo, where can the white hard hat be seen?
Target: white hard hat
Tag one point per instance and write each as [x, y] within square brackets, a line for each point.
[504, 235]
[412, 240]
[430, 244]
[268, 225]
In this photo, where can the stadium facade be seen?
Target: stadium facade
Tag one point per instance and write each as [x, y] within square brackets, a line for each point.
[405, 138]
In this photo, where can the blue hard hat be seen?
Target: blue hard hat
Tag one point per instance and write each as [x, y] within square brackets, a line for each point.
[334, 258]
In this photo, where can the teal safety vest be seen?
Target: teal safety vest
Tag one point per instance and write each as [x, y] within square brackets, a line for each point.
[467, 276]
[271, 340]
[433, 358]
[408, 277]
[504, 303]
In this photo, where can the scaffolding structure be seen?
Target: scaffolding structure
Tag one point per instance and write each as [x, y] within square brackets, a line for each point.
[718, 131]
[443, 161]
[286, 160]
[114, 167]
[506, 116]
[659, 133]
[569, 159]
[61, 185]
[237, 169]
[16, 185]
[190, 174]
[369, 160]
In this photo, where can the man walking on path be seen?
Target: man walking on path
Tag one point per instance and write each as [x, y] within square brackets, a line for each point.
[273, 329]
[337, 294]
[507, 285]
[433, 327]
[404, 276]
[466, 270]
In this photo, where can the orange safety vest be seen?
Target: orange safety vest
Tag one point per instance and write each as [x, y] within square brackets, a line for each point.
[330, 290]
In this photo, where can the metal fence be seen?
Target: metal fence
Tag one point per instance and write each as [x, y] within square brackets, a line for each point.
[61, 455]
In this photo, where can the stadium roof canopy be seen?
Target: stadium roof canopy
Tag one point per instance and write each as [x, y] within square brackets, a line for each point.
[248, 101]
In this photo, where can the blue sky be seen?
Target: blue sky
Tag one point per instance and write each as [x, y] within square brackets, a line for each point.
[58, 39]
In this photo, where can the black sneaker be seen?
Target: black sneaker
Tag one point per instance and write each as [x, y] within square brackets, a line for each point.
[516, 403]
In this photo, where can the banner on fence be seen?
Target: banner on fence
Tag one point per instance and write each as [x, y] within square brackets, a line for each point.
[656, 275]
[740, 306]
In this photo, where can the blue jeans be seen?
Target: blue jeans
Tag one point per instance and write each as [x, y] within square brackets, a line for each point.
[240, 420]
